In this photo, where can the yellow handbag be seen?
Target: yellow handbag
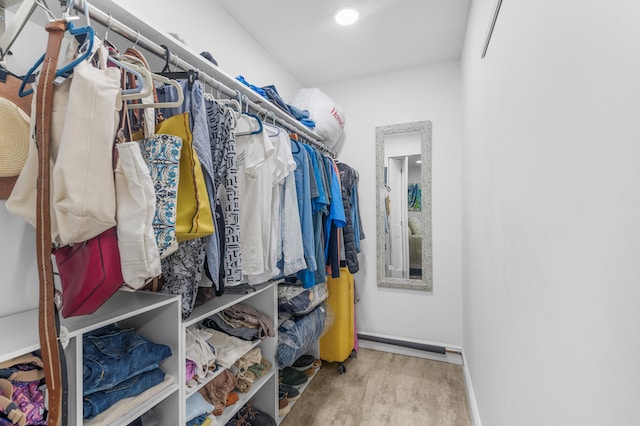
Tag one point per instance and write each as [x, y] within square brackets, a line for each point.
[193, 217]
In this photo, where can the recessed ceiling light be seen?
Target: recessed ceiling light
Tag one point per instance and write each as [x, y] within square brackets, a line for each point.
[346, 16]
[418, 161]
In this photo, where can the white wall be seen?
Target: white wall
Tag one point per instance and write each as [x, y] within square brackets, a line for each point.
[424, 93]
[205, 26]
[551, 212]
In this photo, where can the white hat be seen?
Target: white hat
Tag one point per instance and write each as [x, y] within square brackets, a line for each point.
[14, 134]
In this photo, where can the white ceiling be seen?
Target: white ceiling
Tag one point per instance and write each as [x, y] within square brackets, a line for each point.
[390, 35]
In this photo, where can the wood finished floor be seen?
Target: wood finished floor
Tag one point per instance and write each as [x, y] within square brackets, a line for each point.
[381, 388]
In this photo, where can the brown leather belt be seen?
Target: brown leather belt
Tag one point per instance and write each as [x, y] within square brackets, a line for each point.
[52, 352]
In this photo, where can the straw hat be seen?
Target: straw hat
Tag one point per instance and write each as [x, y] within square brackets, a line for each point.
[14, 134]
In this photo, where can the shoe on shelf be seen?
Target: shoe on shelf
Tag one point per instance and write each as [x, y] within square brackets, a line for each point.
[262, 419]
[292, 393]
[303, 362]
[254, 417]
[283, 404]
[260, 369]
[309, 372]
[250, 416]
[293, 377]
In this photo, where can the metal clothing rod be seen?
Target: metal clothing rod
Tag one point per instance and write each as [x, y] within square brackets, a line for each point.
[225, 84]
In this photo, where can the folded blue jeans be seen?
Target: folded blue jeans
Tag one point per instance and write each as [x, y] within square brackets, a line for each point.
[97, 402]
[117, 355]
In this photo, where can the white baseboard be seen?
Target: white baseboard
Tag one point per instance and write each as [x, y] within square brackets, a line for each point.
[471, 396]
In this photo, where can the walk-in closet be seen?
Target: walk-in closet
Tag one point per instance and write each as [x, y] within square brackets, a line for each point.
[293, 213]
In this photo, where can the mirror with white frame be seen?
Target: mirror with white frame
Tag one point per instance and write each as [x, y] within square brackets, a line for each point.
[403, 184]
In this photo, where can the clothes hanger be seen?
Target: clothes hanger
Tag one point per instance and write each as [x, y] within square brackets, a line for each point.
[84, 36]
[145, 79]
[114, 56]
[254, 116]
[174, 104]
[141, 75]
[233, 104]
[272, 131]
[239, 104]
[140, 65]
[230, 104]
[271, 127]
[137, 91]
[253, 132]
[191, 75]
[273, 117]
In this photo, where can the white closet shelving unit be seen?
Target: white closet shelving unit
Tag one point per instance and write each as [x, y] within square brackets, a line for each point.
[263, 392]
[154, 316]
[158, 318]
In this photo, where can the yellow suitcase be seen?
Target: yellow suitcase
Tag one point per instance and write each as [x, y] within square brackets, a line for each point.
[337, 343]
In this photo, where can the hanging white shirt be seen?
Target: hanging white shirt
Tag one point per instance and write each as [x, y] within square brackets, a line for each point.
[282, 165]
[255, 187]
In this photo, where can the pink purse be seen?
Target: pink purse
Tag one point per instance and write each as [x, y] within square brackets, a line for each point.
[90, 273]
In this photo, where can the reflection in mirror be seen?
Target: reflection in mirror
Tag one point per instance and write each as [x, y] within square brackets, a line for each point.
[403, 166]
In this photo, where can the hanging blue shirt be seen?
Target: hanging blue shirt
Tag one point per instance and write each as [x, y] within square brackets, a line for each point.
[320, 207]
[303, 190]
[336, 208]
[321, 201]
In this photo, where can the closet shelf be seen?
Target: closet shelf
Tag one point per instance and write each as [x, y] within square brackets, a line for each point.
[225, 301]
[202, 382]
[140, 408]
[301, 390]
[230, 411]
[219, 369]
[24, 334]
[120, 306]
[263, 299]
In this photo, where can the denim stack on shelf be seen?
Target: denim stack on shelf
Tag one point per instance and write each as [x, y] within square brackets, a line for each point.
[296, 335]
[297, 300]
[118, 364]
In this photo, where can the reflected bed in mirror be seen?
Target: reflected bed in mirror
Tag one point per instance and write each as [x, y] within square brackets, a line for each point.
[403, 182]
